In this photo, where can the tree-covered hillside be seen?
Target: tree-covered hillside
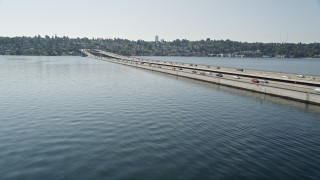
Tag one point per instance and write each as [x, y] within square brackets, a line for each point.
[56, 46]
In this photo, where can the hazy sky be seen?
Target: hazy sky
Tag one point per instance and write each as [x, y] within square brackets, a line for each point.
[241, 20]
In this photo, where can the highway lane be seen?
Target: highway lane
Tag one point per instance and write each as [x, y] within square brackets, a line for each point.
[243, 79]
[178, 69]
[284, 77]
[228, 73]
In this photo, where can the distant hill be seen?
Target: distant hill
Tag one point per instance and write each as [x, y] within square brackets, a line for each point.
[58, 46]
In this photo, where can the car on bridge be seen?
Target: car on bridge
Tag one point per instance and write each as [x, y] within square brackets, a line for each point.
[263, 81]
[219, 75]
[254, 80]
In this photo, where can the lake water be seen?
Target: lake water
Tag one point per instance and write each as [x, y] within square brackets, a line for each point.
[80, 118]
[290, 65]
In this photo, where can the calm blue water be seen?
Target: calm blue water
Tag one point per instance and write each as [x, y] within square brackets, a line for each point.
[290, 65]
[79, 118]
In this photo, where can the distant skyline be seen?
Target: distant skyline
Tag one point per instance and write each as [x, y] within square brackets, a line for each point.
[266, 21]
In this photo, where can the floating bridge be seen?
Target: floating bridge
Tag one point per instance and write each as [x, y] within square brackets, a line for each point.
[286, 85]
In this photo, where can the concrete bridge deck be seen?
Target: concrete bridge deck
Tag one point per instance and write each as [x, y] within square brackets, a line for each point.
[280, 84]
[289, 77]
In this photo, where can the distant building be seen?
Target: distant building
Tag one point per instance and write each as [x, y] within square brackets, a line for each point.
[162, 40]
[239, 56]
[280, 56]
[157, 38]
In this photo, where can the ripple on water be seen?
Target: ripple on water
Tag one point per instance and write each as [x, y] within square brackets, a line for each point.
[76, 118]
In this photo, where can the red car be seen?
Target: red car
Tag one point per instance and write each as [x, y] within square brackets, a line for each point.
[255, 80]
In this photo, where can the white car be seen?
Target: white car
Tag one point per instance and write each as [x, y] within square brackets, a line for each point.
[317, 89]
[208, 73]
[285, 77]
[300, 76]
[236, 77]
[263, 81]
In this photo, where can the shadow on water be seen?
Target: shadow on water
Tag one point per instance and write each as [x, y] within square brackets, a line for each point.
[310, 108]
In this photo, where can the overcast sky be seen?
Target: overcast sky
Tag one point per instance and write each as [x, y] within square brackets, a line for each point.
[240, 20]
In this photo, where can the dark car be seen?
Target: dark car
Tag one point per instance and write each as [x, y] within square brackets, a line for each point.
[219, 75]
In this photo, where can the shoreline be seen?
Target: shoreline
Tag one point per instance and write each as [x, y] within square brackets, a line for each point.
[317, 58]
